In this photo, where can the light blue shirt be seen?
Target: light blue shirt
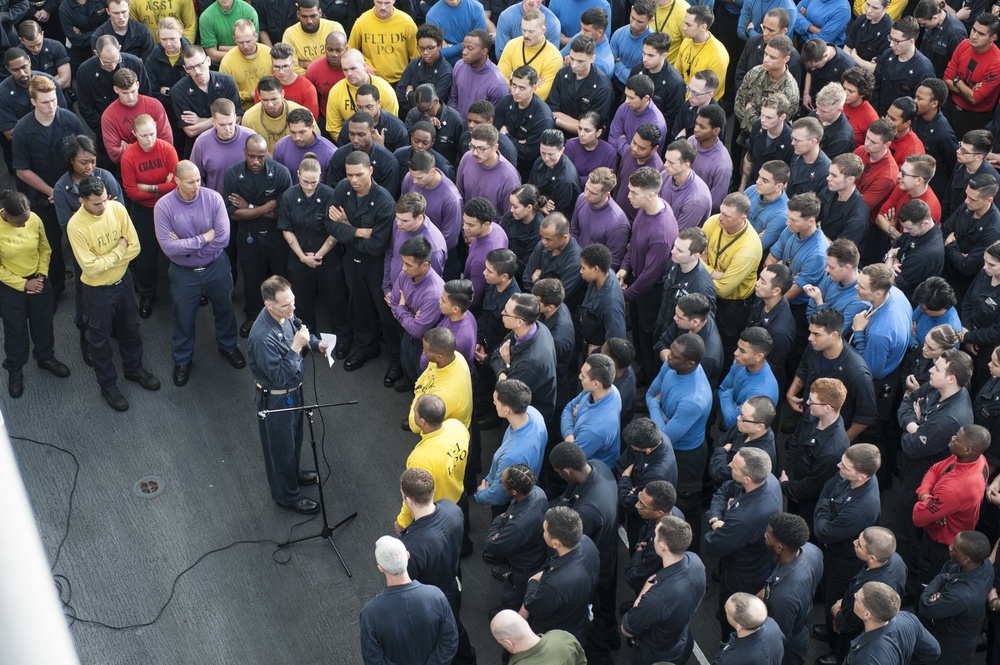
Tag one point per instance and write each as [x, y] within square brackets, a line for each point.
[884, 342]
[740, 385]
[767, 217]
[519, 446]
[925, 323]
[830, 16]
[754, 12]
[682, 410]
[627, 51]
[569, 12]
[844, 299]
[509, 25]
[456, 22]
[596, 427]
[604, 59]
[805, 257]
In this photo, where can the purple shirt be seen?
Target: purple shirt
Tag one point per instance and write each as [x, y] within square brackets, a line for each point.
[607, 225]
[469, 84]
[394, 261]
[465, 331]
[213, 157]
[495, 183]
[291, 155]
[475, 263]
[715, 167]
[421, 297]
[189, 220]
[630, 166]
[648, 253]
[626, 121]
[444, 207]
[586, 161]
[691, 202]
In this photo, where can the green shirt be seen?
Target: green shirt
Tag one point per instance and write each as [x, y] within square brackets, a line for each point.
[216, 25]
[557, 647]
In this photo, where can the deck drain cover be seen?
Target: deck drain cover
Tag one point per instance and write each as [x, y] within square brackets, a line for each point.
[148, 487]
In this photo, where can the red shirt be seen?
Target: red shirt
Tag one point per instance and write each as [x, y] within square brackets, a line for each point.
[899, 197]
[148, 168]
[323, 77]
[986, 71]
[116, 124]
[302, 92]
[877, 181]
[902, 148]
[860, 117]
[956, 494]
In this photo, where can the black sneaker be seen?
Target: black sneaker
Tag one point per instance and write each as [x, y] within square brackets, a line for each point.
[144, 379]
[15, 383]
[114, 398]
[245, 328]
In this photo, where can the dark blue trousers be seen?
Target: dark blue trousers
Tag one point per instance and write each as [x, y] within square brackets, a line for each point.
[23, 313]
[104, 307]
[186, 287]
[281, 440]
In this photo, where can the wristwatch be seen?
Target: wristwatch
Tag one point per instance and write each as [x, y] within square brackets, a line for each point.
[956, 80]
[250, 206]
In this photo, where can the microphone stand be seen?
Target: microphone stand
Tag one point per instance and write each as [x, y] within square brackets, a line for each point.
[327, 530]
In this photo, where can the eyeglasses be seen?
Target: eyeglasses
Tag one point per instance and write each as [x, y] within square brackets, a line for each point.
[812, 403]
[963, 151]
[427, 49]
[200, 65]
[479, 148]
[110, 65]
[897, 42]
[739, 416]
[692, 93]
[281, 68]
[908, 175]
[506, 315]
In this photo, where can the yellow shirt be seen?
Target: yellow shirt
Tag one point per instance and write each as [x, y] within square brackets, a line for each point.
[309, 47]
[247, 72]
[270, 128]
[895, 10]
[453, 384]
[670, 20]
[737, 255]
[388, 45]
[151, 12]
[102, 259]
[545, 59]
[443, 454]
[340, 103]
[24, 252]
[693, 58]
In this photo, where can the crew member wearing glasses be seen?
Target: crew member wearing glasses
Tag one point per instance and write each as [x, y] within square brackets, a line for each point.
[193, 95]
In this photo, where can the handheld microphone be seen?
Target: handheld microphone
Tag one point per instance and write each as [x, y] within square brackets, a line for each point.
[296, 323]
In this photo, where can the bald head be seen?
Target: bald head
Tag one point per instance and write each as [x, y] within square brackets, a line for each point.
[354, 57]
[186, 169]
[747, 610]
[512, 631]
[336, 37]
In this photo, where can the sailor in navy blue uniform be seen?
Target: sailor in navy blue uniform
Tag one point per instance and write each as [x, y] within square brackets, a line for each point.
[953, 605]
[434, 542]
[738, 518]
[274, 353]
[875, 548]
[849, 504]
[660, 620]
[656, 501]
[790, 588]
[516, 535]
[559, 595]
[757, 638]
[648, 457]
[890, 636]
[593, 493]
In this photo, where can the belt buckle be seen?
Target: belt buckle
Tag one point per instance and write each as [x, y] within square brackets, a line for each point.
[199, 269]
